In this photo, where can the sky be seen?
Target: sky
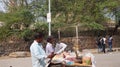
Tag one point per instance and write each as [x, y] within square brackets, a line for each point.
[2, 6]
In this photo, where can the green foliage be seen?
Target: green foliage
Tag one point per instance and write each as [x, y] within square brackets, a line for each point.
[41, 27]
[27, 34]
[90, 13]
[23, 16]
[26, 16]
[94, 26]
[38, 8]
[82, 11]
[117, 14]
[56, 26]
[5, 32]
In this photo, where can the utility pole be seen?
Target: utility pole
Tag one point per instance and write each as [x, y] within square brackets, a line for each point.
[49, 18]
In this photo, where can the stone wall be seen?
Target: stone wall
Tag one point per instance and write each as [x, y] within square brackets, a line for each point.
[88, 42]
[84, 42]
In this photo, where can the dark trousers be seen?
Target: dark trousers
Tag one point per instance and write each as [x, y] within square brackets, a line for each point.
[110, 45]
[99, 47]
[103, 45]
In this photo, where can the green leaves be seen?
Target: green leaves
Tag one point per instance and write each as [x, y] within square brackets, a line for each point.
[90, 13]
[16, 19]
[82, 11]
[95, 26]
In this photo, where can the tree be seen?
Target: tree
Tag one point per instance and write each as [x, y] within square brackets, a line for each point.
[117, 18]
[15, 5]
[17, 18]
[38, 9]
[90, 12]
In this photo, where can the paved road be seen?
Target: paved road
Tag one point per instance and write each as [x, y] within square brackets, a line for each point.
[108, 60]
[16, 62]
[102, 60]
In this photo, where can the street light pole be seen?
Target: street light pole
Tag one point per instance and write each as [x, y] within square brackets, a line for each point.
[49, 6]
[49, 18]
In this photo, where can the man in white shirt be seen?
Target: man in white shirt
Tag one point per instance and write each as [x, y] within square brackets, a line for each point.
[49, 46]
[103, 42]
[60, 47]
[37, 52]
[110, 39]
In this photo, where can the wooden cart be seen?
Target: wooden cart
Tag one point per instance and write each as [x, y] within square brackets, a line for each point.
[78, 65]
[73, 65]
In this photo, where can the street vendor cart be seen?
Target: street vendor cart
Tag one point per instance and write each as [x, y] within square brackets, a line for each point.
[73, 65]
[78, 65]
[67, 60]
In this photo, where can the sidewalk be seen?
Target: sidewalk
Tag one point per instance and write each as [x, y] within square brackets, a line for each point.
[96, 50]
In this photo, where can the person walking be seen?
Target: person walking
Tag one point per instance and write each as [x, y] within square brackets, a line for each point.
[110, 39]
[38, 54]
[103, 42]
[99, 45]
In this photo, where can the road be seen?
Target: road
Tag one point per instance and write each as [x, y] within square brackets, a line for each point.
[102, 60]
[108, 59]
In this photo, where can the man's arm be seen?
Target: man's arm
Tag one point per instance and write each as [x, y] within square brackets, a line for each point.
[62, 49]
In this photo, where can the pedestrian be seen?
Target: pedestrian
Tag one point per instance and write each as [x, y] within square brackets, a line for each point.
[99, 43]
[103, 42]
[38, 54]
[50, 46]
[51, 50]
[110, 39]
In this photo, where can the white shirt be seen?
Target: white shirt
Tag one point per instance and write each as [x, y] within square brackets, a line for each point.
[38, 55]
[104, 39]
[110, 39]
[60, 47]
[49, 48]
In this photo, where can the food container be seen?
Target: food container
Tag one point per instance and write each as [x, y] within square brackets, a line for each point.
[69, 63]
